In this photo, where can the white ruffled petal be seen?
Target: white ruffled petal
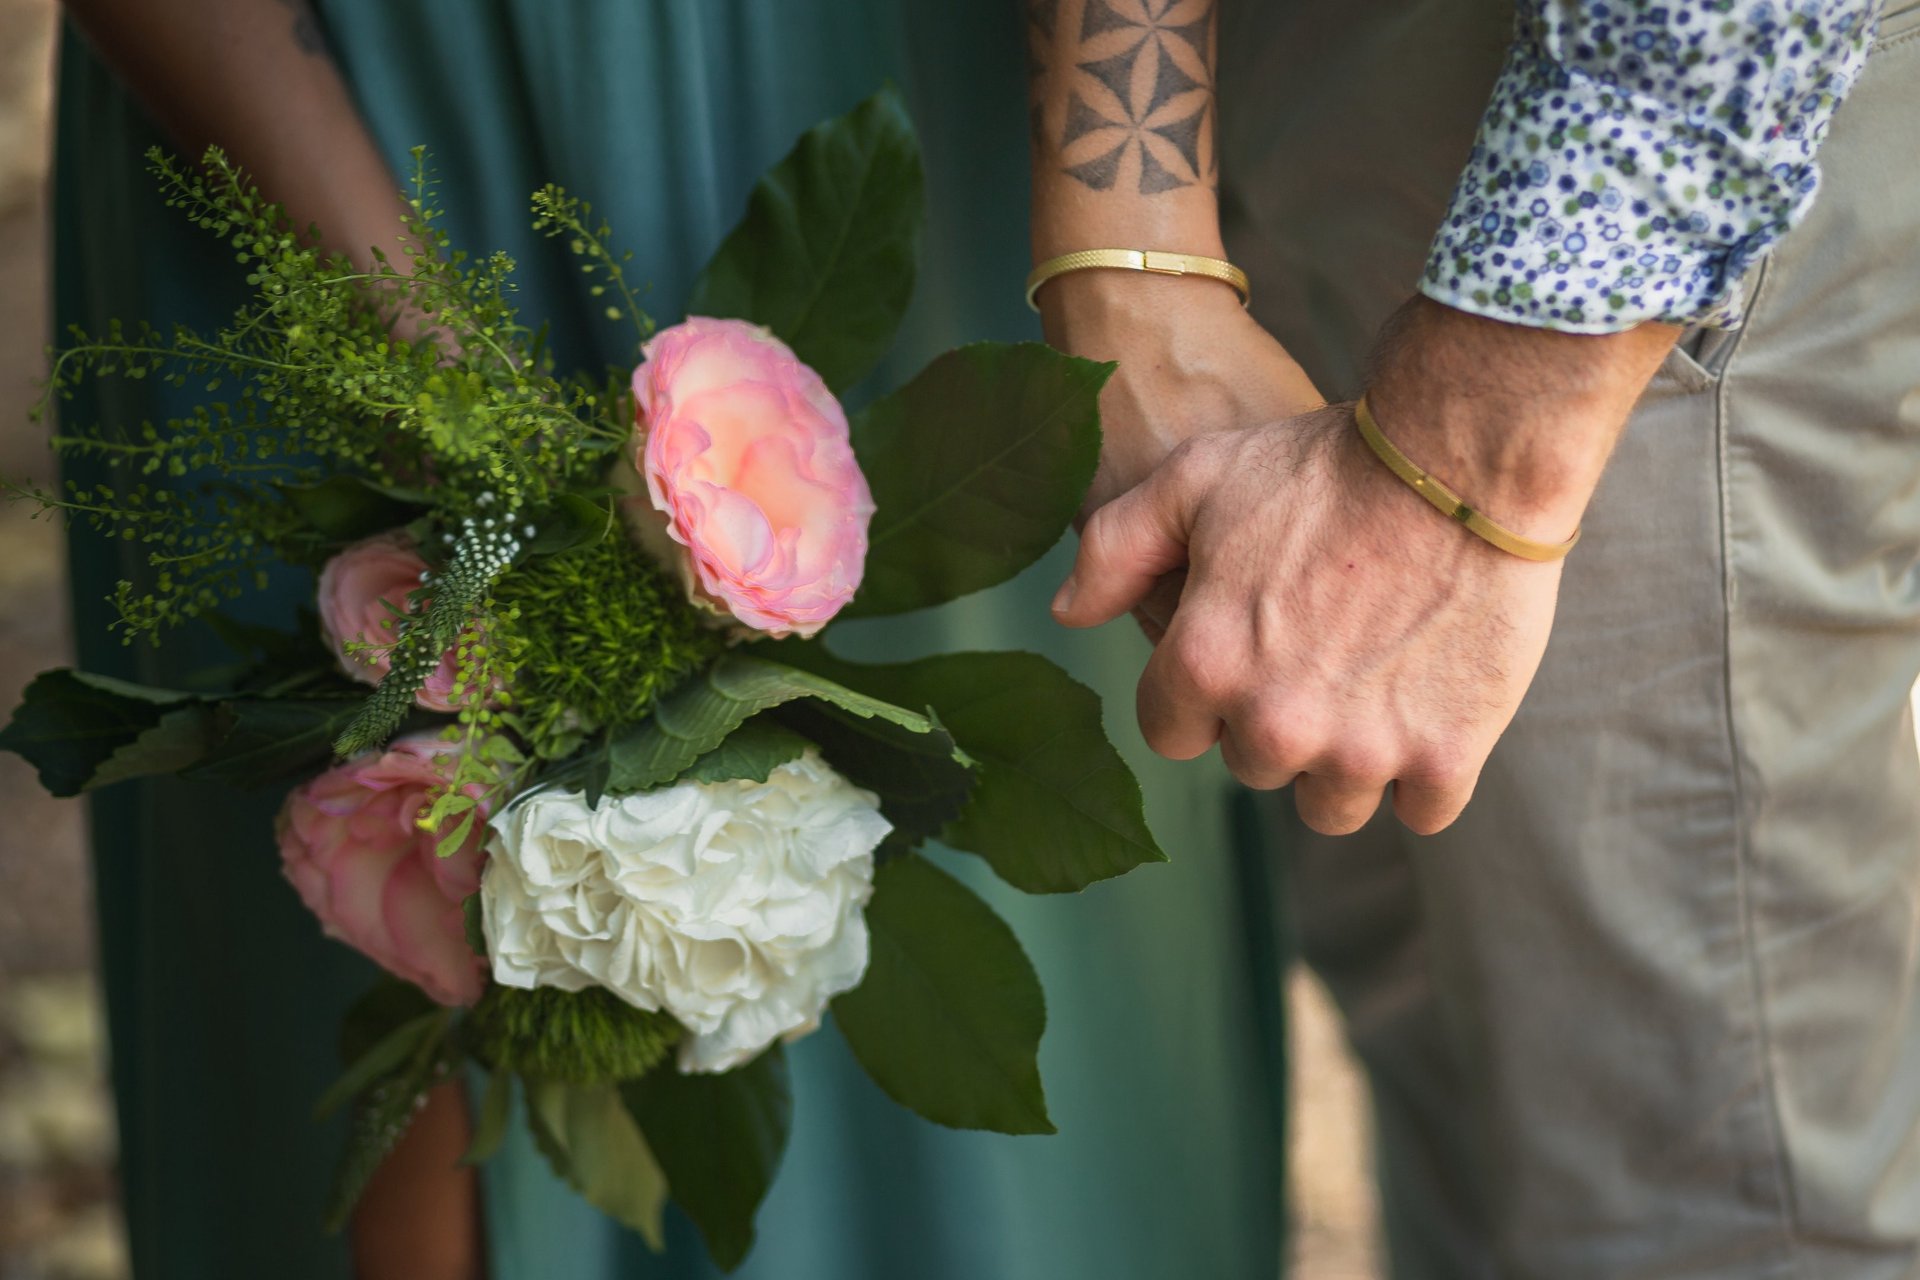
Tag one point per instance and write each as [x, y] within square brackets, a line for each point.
[737, 907]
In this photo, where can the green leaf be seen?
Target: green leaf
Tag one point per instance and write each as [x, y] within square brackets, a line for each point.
[825, 256]
[380, 1010]
[949, 1017]
[179, 738]
[346, 508]
[921, 781]
[719, 1139]
[699, 714]
[752, 752]
[490, 1122]
[473, 920]
[262, 741]
[450, 843]
[82, 731]
[385, 1057]
[576, 520]
[381, 1115]
[1054, 807]
[977, 467]
[278, 661]
[587, 1134]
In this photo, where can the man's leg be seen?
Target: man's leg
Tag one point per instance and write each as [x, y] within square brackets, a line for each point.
[1656, 996]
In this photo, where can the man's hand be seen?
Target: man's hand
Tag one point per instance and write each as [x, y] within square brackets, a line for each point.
[1335, 631]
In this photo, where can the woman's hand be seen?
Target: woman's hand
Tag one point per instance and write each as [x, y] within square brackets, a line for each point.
[1192, 361]
[419, 1218]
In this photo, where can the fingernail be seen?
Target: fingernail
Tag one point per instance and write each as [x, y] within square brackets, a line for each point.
[1063, 599]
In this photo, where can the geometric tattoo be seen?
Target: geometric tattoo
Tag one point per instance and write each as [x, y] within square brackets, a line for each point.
[1139, 103]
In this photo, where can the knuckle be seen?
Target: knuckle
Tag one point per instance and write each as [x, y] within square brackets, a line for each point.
[1444, 766]
[1100, 539]
[1333, 819]
[1187, 456]
[1252, 765]
[1198, 652]
[1192, 460]
[1281, 740]
[1360, 762]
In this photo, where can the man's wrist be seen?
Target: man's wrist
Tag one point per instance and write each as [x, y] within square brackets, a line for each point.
[1519, 421]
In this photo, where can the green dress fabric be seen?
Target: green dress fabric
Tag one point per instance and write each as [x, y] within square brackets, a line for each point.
[1163, 1052]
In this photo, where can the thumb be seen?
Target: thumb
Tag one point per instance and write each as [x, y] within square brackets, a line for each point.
[1125, 549]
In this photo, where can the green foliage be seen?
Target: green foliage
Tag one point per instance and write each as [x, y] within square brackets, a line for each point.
[826, 254]
[949, 1017]
[83, 731]
[598, 631]
[922, 782]
[558, 214]
[1054, 808]
[490, 1120]
[414, 377]
[266, 740]
[387, 1084]
[449, 611]
[592, 1142]
[977, 467]
[718, 1139]
[698, 715]
[582, 1037]
[381, 1033]
[753, 752]
[343, 509]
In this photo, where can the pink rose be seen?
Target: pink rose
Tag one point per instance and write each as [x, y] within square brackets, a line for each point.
[751, 475]
[351, 843]
[356, 589]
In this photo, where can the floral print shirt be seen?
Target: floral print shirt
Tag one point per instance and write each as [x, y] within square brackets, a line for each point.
[1639, 155]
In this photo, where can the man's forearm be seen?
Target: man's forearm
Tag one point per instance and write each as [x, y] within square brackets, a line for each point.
[253, 77]
[1519, 420]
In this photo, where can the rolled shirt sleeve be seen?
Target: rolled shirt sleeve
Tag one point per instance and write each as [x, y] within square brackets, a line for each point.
[1638, 156]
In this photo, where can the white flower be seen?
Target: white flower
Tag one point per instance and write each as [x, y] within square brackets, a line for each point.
[734, 906]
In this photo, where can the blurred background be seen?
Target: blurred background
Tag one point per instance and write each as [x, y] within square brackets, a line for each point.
[57, 1206]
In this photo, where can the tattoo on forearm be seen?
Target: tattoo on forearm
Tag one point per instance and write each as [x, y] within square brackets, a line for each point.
[1122, 91]
[306, 28]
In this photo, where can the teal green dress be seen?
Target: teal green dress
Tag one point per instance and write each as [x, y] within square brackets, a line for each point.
[1162, 1055]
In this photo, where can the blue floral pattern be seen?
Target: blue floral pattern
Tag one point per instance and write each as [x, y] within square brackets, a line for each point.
[1638, 156]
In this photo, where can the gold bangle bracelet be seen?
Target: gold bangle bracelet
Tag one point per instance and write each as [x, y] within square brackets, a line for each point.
[1449, 503]
[1153, 260]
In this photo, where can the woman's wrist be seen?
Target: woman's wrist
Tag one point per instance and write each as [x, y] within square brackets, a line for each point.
[1102, 309]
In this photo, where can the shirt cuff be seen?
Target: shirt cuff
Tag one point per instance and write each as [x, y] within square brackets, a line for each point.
[1589, 209]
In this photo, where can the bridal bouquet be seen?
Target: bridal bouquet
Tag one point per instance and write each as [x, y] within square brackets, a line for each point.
[571, 761]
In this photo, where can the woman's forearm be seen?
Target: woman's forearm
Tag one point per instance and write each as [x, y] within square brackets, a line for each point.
[254, 78]
[1124, 124]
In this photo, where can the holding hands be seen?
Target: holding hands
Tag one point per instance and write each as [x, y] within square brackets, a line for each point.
[1335, 632]
[1312, 613]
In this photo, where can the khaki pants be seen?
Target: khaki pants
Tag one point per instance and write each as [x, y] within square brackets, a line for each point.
[1651, 1008]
